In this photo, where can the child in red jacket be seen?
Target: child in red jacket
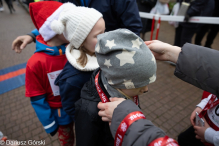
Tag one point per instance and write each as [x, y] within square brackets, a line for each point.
[42, 69]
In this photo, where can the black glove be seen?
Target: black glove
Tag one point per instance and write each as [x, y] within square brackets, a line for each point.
[187, 17]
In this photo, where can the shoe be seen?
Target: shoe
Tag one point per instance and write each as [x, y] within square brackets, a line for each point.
[1, 9]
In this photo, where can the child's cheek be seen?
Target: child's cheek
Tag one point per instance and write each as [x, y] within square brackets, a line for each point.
[94, 44]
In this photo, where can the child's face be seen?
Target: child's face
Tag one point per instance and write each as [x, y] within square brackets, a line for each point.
[91, 39]
[135, 91]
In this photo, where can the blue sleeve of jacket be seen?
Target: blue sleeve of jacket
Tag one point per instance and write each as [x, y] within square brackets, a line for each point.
[196, 7]
[35, 32]
[44, 113]
[69, 95]
[128, 14]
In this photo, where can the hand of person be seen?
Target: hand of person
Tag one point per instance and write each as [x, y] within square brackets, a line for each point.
[106, 109]
[187, 17]
[200, 131]
[193, 115]
[20, 43]
[163, 51]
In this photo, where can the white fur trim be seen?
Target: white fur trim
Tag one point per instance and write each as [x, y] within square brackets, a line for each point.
[45, 30]
[72, 55]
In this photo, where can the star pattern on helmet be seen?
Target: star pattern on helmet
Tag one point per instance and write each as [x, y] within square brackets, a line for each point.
[129, 84]
[127, 31]
[136, 43]
[152, 79]
[153, 59]
[110, 44]
[97, 48]
[126, 57]
[110, 82]
[107, 63]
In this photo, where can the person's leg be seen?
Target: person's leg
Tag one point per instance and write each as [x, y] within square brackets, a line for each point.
[201, 33]
[8, 4]
[1, 3]
[211, 35]
[1, 6]
[187, 34]
[66, 135]
[178, 32]
[11, 5]
[187, 138]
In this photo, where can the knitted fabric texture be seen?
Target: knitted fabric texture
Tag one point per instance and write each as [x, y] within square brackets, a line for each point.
[76, 24]
[44, 13]
[125, 60]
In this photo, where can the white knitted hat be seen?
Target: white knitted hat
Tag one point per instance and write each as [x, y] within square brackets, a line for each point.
[76, 24]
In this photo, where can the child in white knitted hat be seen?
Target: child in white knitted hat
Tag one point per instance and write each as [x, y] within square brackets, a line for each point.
[80, 27]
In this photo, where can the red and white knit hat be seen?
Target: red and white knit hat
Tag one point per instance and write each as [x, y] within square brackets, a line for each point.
[44, 13]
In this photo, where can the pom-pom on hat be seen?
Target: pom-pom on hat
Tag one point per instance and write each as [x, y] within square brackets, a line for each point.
[125, 60]
[76, 24]
[44, 13]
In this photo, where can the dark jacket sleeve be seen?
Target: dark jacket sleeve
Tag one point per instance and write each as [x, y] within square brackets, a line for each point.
[128, 15]
[69, 95]
[196, 7]
[89, 128]
[141, 132]
[198, 66]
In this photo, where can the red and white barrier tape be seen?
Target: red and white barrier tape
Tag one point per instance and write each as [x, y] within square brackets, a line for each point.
[206, 20]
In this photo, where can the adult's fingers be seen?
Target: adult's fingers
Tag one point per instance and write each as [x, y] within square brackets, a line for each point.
[102, 113]
[101, 106]
[114, 99]
[196, 128]
[148, 42]
[197, 137]
[106, 119]
[192, 118]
